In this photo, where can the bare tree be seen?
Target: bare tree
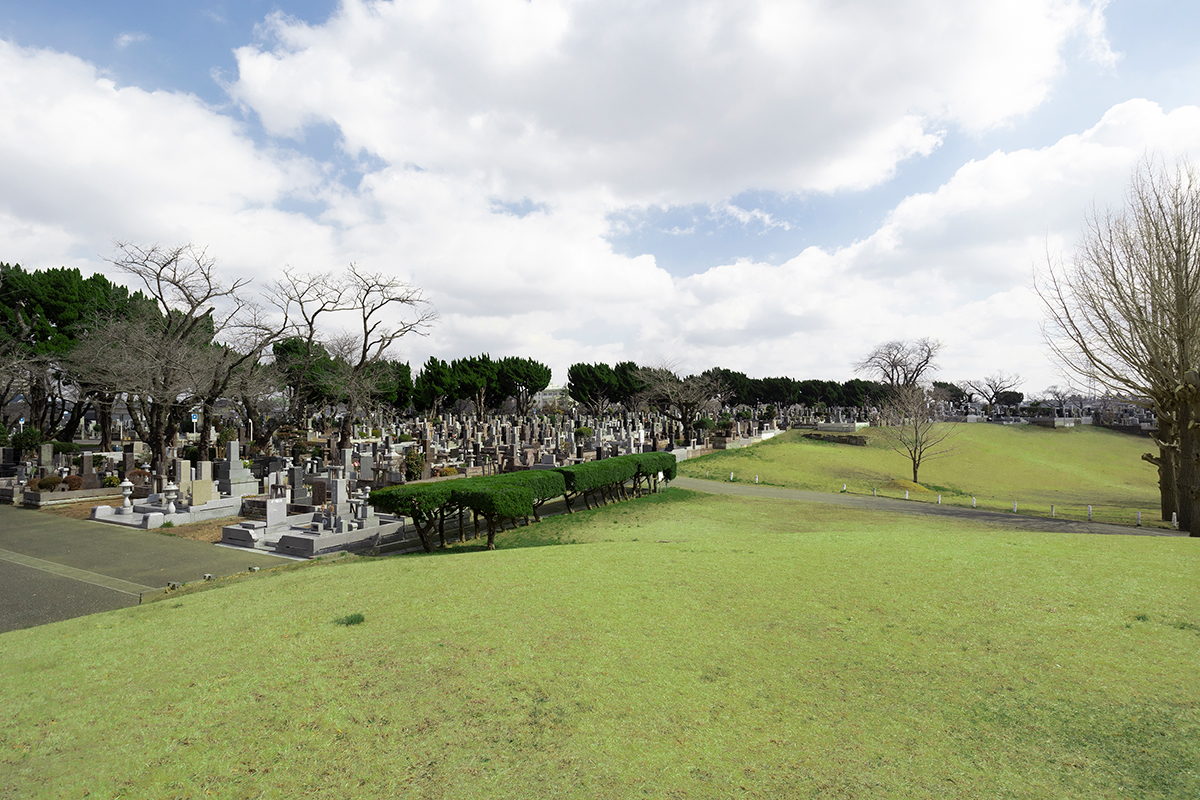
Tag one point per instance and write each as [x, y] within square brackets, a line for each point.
[910, 425]
[159, 356]
[901, 363]
[306, 299]
[683, 399]
[1125, 313]
[374, 299]
[990, 388]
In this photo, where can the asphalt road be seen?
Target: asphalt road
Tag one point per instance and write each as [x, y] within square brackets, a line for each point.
[1018, 521]
[53, 568]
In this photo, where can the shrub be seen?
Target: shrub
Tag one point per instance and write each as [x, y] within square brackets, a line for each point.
[583, 432]
[191, 453]
[49, 483]
[421, 501]
[27, 440]
[446, 472]
[650, 464]
[225, 435]
[74, 482]
[404, 437]
[110, 481]
[66, 447]
[414, 464]
[704, 423]
[351, 619]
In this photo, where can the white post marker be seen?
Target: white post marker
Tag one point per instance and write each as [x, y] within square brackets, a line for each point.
[1139, 519]
[1014, 506]
[1052, 510]
[756, 479]
[906, 494]
[1175, 520]
[843, 487]
[1089, 513]
[972, 502]
[731, 476]
[939, 499]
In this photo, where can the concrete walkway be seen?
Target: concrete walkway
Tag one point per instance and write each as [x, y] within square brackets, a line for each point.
[54, 568]
[1018, 521]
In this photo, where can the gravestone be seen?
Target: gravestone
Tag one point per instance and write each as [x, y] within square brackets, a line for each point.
[233, 479]
[339, 496]
[182, 470]
[276, 511]
[201, 491]
[46, 454]
[88, 471]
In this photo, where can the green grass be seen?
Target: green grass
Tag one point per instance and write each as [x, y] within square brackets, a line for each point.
[1070, 468]
[687, 646]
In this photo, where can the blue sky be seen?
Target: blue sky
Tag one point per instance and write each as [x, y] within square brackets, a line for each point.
[550, 174]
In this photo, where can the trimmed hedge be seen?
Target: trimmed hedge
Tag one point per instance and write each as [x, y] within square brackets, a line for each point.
[420, 501]
[518, 494]
[597, 474]
[650, 464]
[494, 500]
[546, 484]
[610, 471]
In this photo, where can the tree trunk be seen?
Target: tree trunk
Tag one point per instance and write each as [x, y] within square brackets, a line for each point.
[346, 432]
[1167, 464]
[206, 414]
[1186, 474]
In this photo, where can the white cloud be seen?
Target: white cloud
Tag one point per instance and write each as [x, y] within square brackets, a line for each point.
[81, 156]
[956, 263]
[667, 103]
[129, 37]
[509, 102]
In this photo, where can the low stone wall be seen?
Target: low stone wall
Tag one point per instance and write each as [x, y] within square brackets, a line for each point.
[38, 499]
[857, 441]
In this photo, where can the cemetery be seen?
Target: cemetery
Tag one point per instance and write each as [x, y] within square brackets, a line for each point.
[573, 605]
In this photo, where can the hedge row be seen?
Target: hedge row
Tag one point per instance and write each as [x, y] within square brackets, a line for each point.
[514, 495]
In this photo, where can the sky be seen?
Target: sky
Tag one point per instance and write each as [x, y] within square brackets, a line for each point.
[771, 187]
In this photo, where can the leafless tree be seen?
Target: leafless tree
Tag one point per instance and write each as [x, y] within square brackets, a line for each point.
[375, 301]
[901, 363]
[163, 356]
[910, 425]
[990, 388]
[307, 299]
[683, 399]
[1125, 313]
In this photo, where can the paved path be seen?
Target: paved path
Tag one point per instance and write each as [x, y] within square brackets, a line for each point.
[53, 568]
[1018, 521]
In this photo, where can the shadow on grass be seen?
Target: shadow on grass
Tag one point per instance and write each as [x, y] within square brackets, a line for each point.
[557, 529]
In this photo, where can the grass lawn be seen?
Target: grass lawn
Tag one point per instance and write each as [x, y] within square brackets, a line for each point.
[1036, 467]
[679, 646]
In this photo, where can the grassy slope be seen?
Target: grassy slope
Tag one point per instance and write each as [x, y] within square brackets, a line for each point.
[1034, 466]
[719, 647]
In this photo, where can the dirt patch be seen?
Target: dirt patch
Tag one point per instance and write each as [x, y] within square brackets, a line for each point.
[80, 510]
